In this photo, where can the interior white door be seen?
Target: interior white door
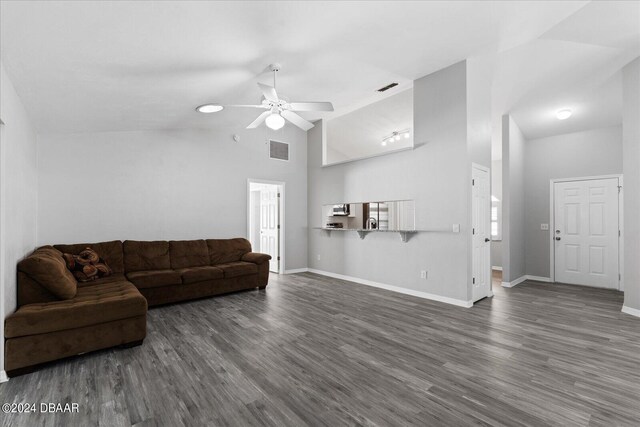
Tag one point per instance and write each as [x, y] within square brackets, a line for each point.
[586, 232]
[481, 233]
[270, 225]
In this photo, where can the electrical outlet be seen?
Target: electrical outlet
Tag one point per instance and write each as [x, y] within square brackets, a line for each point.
[318, 256]
[423, 274]
[544, 226]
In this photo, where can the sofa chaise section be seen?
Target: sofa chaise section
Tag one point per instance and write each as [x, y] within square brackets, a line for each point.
[58, 318]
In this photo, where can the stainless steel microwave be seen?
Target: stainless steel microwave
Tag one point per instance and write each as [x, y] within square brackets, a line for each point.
[340, 210]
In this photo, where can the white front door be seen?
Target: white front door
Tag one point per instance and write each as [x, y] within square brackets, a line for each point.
[270, 224]
[481, 233]
[586, 232]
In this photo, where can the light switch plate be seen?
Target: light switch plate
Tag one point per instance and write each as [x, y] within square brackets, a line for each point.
[544, 226]
[456, 228]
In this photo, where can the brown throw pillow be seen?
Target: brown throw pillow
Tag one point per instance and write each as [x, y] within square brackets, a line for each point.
[87, 265]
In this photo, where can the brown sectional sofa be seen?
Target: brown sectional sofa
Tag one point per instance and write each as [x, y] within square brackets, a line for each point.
[59, 317]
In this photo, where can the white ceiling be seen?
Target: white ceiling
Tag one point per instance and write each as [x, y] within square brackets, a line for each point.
[106, 66]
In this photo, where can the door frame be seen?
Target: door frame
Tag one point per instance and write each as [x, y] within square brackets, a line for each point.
[281, 217]
[3, 229]
[490, 279]
[552, 225]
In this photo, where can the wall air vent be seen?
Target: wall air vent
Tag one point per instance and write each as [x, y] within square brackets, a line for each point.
[278, 150]
[387, 87]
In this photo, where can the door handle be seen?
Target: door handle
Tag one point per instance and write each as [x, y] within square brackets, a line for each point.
[557, 238]
[486, 239]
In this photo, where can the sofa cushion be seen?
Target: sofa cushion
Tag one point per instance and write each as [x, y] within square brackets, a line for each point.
[107, 279]
[92, 305]
[256, 258]
[47, 267]
[200, 274]
[111, 252]
[87, 265]
[240, 268]
[188, 253]
[154, 278]
[145, 256]
[222, 251]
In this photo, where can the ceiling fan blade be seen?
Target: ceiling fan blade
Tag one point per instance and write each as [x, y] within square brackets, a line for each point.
[269, 92]
[296, 120]
[257, 122]
[311, 106]
[246, 106]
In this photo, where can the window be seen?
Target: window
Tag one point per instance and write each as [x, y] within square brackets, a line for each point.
[496, 219]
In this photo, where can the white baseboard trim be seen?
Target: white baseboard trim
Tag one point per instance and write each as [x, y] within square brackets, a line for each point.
[419, 294]
[296, 270]
[631, 311]
[524, 278]
[496, 267]
[538, 278]
[3, 377]
[514, 282]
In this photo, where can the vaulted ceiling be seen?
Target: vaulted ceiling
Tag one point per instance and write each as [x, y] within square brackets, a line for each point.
[576, 64]
[107, 66]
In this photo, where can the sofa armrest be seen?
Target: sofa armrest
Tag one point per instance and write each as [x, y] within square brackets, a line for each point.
[256, 258]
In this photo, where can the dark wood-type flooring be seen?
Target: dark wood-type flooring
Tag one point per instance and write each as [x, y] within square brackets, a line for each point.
[311, 350]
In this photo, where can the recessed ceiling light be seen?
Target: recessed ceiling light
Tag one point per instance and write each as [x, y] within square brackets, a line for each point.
[209, 108]
[563, 114]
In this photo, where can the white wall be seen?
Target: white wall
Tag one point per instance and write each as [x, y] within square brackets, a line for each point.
[631, 168]
[436, 174]
[587, 153]
[513, 245]
[18, 178]
[151, 185]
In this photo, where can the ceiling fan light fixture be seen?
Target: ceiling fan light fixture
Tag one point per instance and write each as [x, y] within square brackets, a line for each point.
[209, 108]
[275, 121]
[564, 114]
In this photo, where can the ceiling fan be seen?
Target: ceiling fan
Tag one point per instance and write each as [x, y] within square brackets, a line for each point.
[278, 109]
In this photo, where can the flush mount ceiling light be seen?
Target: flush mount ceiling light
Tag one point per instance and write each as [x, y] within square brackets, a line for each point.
[564, 114]
[395, 136]
[209, 108]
